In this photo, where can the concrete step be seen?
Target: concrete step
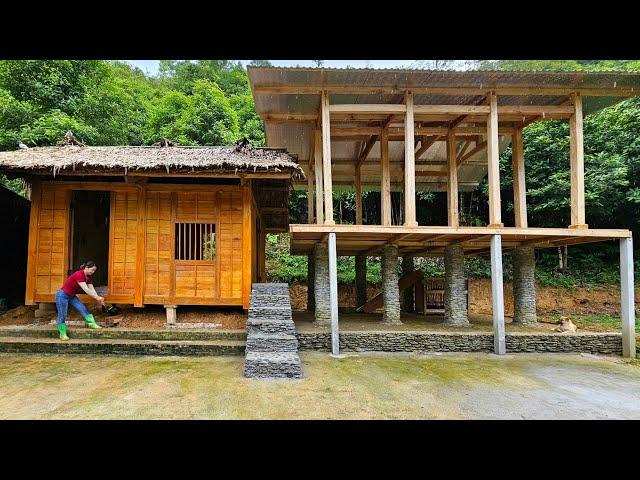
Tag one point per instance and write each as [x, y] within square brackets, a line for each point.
[121, 347]
[272, 365]
[272, 342]
[123, 334]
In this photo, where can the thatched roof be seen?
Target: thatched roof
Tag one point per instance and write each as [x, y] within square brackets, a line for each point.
[170, 159]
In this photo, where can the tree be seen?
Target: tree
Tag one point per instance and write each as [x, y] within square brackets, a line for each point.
[260, 63]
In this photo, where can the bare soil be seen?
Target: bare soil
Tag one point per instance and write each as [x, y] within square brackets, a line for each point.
[22, 315]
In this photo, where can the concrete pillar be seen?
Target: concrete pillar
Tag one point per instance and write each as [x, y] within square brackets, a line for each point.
[333, 293]
[361, 280]
[497, 296]
[628, 310]
[524, 286]
[321, 286]
[407, 295]
[311, 277]
[390, 291]
[455, 296]
[171, 314]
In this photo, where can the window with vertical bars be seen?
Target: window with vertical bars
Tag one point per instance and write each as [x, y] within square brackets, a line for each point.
[195, 241]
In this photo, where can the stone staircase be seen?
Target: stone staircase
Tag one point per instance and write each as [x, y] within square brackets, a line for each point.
[271, 345]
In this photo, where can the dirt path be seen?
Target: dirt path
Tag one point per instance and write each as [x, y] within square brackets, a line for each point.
[357, 386]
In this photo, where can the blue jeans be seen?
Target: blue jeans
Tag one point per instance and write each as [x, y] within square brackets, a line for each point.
[62, 303]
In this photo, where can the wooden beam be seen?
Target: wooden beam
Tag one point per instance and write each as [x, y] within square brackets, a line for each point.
[452, 182]
[426, 143]
[493, 154]
[519, 185]
[362, 108]
[577, 166]
[479, 147]
[385, 187]
[32, 249]
[326, 161]
[367, 149]
[317, 158]
[310, 216]
[409, 165]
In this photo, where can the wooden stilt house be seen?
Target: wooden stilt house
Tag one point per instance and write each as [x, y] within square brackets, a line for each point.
[167, 225]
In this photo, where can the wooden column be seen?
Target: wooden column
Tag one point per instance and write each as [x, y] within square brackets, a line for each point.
[358, 187]
[493, 154]
[409, 165]
[385, 187]
[577, 165]
[317, 158]
[519, 185]
[32, 255]
[452, 181]
[333, 294]
[138, 291]
[326, 161]
[627, 294]
[497, 295]
[310, 216]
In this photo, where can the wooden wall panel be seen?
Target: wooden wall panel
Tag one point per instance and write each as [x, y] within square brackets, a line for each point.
[123, 247]
[158, 241]
[52, 239]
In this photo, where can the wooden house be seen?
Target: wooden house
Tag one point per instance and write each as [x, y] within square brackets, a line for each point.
[166, 225]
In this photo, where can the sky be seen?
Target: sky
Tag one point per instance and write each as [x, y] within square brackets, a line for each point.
[150, 67]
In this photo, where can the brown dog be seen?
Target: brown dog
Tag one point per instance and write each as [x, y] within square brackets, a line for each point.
[566, 325]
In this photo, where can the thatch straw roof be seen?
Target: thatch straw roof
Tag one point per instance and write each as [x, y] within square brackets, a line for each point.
[170, 159]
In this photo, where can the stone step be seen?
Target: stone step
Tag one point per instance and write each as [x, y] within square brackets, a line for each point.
[123, 334]
[270, 301]
[121, 347]
[276, 313]
[272, 342]
[269, 326]
[272, 365]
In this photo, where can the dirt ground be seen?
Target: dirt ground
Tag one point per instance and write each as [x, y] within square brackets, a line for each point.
[358, 386]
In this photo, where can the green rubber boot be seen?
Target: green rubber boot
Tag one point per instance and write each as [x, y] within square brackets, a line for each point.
[62, 330]
[91, 323]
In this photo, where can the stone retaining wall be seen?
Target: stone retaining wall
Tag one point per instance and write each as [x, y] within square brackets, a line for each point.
[603, 343]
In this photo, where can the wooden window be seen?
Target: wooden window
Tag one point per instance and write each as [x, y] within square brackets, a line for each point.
[195, 241]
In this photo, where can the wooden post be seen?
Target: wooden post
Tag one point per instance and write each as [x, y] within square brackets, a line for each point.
[493, 154]
[409, 165]
[310, 193]
[628, 312]
[140, 247]
[452, 181]
[385, 187]
[578, 218]
[326, 161]
[358, 196]
[317, 158]
[519, 184]
[497, 295]
[333, 294]
[32, 256]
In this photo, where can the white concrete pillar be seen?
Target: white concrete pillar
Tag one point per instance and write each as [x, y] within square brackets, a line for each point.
[333, 293]
[171, 314]
[497, 295]
[627, 311]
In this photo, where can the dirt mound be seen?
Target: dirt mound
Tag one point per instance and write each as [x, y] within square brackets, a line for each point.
[22, 315]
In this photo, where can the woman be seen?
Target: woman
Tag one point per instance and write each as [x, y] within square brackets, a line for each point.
[79, 281]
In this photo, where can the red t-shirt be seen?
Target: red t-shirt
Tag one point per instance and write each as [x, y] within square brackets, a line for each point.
[71, 286]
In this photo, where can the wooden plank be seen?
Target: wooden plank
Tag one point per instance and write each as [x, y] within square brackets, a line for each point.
[577, 166]
[385, 186]
[310, 211]
[247, 222]
[453, 218]
[493, 154]
[497, 296]
[409, 165]
[361, 108]
[32, 251]
[627, 293]
[317, 158]
[140, 248]
[326, 161]
[519, 185]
